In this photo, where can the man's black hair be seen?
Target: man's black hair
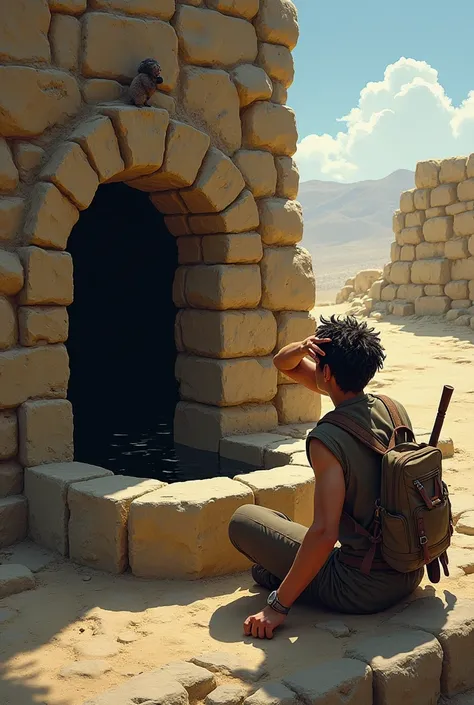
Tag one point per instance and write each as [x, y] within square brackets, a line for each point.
[354, 354]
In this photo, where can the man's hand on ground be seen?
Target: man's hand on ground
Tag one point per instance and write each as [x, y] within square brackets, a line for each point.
[263, 624]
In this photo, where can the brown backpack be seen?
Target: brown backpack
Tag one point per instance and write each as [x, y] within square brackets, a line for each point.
[412, 521]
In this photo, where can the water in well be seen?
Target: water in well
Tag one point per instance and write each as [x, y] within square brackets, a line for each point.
[121, 342]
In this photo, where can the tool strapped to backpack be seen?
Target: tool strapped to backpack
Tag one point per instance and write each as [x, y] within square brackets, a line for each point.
[412, 521]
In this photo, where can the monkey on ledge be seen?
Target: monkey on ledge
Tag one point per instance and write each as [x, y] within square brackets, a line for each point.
[145, 84]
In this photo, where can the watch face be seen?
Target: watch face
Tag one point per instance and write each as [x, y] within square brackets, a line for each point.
[272, 597]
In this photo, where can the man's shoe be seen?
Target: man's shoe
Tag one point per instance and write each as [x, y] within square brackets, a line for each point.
[264, 578]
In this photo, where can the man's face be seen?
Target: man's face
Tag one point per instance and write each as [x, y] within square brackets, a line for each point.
[319, 376]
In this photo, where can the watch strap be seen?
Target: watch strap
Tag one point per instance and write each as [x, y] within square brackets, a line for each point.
[276, 605]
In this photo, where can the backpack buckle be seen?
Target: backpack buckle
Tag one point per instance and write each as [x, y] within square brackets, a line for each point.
[423, 540]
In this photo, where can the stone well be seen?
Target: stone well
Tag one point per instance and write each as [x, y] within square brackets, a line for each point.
[213, 154]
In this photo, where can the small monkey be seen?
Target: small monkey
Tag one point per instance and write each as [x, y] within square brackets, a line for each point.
[144, 85]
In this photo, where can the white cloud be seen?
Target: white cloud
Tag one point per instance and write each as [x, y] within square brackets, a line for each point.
[403, 119]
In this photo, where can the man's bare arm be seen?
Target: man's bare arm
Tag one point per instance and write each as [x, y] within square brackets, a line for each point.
[298, 361]
[323, 533]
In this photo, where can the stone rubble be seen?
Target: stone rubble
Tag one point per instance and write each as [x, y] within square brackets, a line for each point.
[14, 579]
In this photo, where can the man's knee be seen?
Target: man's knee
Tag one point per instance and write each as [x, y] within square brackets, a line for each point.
[240, 523]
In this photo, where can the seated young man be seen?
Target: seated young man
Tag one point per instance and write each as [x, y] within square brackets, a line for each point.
[295, 562]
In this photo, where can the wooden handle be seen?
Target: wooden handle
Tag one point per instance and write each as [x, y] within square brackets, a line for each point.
[440, 416]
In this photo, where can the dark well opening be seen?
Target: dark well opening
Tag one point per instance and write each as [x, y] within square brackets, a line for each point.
[121, 342]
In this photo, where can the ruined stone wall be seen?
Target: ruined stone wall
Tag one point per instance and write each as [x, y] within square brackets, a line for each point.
[431, 271]
[215, 154]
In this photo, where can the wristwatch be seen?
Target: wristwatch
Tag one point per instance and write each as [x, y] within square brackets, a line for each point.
[275, 604]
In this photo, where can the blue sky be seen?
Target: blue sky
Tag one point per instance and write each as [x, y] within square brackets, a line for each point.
[345, 45]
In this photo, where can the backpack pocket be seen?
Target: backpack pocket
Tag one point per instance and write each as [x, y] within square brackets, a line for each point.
[397, 549]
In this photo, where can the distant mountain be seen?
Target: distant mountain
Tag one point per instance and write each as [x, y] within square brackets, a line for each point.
[348, 227]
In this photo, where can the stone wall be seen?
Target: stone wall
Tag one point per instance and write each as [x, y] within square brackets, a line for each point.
[431, 271]
[215, 154]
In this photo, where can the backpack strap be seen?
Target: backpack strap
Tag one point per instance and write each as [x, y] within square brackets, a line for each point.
[364, 435]
[397, 421]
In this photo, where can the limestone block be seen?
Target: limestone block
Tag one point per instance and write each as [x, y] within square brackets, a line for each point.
[287, 489]
[202, 427]
[403, 309]
[101, 90]
[244, 248]
[31, 43]
[54, 94]
[272, 693]
[432, 271]
[296, 404]
[271, 127]
[457, 248]
[396, 250]
[344, 294]
[227, 695]
[464, 223]
[407, 204]
[32, 372]
[432, 305]
[252, 449]
[375, 292]
[45, 432]
[427, 174]
[223, 286]
[471, 289]
[11, 212]
[277, 62]
[178, 225]
[389, 292]
[430, 250]
[339, 681]
[99, 510]
[398, 222]
[150, 687]
[197, 681]
[277, 23]
[239, 8]
[410, 292]
[51, 216]
[46, 489]
[438, 229]
[406, 666]
[11, 479]
[293, 326]
[185, 150]
[279, 94]
[70, 171]
[13, 520]
[463, 269]
[252, 84]
[164, 102]
[15, 579]
[436, 212]
[453, 314]
[407, 253]
[399, 273]
[167, 202]
[211, 98]
[97, 139]
[181, 517]
[444, 195]
[226, 382]
[466, 190]
[452, 170]
[457, 289]
[189, 250]
[457, 208]
[65, 38]
[433, 290]
[209, 38]
[470, 246]
[258, 170]
[150, 8]
[410, 236]
[70, 7]
[228, 334]
[414, 219]
[8, 327]
[218, 184]
[141, 134]
[281, 221]
[8, 172]
[461, 304]
[464, 320]
[241, 216]
[288, 178]
[9, 433]
[287, 279]
[421, 199]
[453, 626]
[48, 277]
[114, 46]
[11, 273]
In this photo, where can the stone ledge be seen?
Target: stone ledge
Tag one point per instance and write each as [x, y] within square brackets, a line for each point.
[15, 579]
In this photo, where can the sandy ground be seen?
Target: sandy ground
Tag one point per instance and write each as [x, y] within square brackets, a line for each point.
[74, 610]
